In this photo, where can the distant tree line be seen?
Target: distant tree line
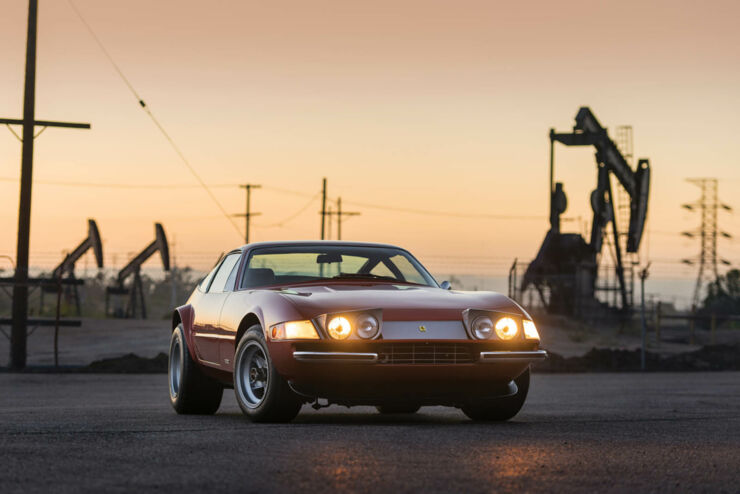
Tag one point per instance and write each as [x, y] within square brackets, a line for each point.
[723, 296]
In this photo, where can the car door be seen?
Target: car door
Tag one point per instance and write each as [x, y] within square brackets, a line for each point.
[208, 311]
[228, 344]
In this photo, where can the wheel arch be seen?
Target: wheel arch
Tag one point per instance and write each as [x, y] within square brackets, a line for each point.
[249, 320]
[176, 319]
[185, 315]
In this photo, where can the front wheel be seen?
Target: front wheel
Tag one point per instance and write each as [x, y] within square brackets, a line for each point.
[500, 409]
[191, 391]
[262, 394]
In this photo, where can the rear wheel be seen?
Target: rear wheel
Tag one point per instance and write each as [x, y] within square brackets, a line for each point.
[262, 394]
[500, 409]
[393, 409]
[191, 391]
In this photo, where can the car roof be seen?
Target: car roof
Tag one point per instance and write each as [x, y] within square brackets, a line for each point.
[297, 243]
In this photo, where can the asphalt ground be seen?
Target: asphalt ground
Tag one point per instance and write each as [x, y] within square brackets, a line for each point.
[577, 433]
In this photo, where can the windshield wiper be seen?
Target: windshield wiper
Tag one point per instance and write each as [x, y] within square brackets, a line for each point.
[365, 276]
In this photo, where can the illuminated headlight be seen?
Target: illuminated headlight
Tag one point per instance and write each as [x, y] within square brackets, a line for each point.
[339, 328]
[530, 330]
[367, 326]
[506, 328]
[483, 327]
[294, 330]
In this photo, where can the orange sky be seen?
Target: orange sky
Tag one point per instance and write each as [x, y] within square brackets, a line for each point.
[422, 105]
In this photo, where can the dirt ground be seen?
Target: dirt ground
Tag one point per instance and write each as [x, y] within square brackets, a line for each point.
[100, 339]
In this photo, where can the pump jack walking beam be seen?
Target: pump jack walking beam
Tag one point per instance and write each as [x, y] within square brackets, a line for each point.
[133, 269]
[589, 132]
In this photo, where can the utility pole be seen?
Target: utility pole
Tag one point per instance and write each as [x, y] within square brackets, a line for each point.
[329, 214]
[643, 276]
[323, 209]
[341, 213]
[708, 205]
[248, 214]
[18, 334]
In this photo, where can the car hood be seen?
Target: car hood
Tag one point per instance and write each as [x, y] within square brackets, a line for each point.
[397, 301]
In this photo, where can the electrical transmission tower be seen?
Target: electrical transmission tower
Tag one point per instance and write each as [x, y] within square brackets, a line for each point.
[708, 205]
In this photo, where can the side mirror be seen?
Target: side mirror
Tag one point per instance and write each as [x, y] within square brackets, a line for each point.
[445, 285]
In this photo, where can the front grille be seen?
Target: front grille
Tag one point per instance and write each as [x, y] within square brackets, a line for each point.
[424, 353]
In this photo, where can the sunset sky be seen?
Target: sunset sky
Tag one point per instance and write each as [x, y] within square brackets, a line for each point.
[420, 105]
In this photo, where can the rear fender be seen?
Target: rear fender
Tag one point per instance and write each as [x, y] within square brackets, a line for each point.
[187, 316]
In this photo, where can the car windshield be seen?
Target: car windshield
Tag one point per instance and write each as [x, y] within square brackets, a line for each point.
[305, 263]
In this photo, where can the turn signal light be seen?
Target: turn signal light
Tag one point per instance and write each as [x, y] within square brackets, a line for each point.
[530, 330]
[294, 330]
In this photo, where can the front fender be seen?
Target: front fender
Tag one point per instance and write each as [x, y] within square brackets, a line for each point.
[269, 307]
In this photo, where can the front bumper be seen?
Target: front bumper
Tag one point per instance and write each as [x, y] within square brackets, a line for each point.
[491, 357]
[431, 373]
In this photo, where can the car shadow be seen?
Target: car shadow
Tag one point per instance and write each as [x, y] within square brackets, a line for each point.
[354, 418]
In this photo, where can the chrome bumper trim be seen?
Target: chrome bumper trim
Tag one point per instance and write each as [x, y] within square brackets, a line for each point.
[348, 357]
[523, 356]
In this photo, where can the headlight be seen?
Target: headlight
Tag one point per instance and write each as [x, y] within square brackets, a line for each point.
[530, 330]
[294, 330]
[483, 327]
[506, 328]
[367, 326]
[339, 328]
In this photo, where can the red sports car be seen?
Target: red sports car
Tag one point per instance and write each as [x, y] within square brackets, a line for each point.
[347, 323]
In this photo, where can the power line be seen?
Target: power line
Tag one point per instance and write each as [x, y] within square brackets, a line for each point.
[156, 122]
[451, 214]
[107, 185]
[288, 191]
[292, 216]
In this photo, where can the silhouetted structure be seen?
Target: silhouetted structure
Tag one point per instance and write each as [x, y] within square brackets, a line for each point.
[323, 209]
[66, 269]
[18, 334]
[341, 214]
[565, 271]
[248, 212]
[708, 232]
[136, 302]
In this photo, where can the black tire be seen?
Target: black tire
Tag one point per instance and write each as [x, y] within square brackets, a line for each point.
[262, 394]
[398, 409]
[191, 391]
[500, 409]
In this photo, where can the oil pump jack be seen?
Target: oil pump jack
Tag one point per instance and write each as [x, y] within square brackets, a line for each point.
[135, 291]
[66, 269]
[565, 271]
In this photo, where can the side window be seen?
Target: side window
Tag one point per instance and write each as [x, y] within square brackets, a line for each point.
[231, 281]
[224, 273]
[203, 286]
